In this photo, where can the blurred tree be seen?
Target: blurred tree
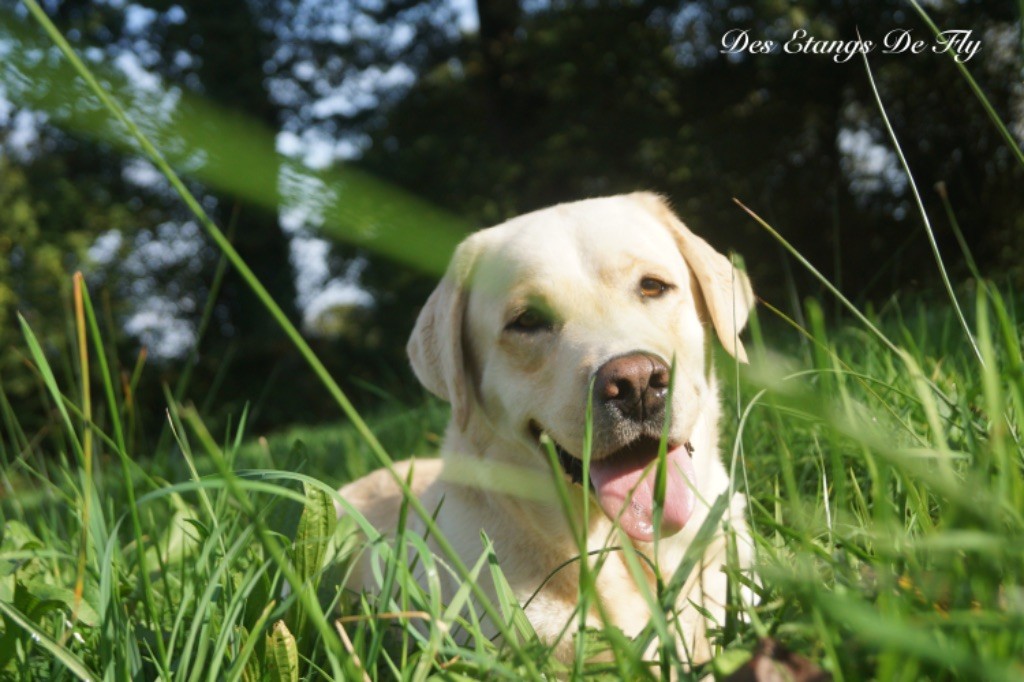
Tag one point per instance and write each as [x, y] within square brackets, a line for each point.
[553, 101]
[218, 51]
[52, 206]
[504, 107]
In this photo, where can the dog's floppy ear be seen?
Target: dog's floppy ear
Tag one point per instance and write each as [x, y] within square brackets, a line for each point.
[435, 347]
[725, 289]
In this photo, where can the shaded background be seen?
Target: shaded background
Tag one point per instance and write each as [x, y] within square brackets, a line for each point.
[323, 134]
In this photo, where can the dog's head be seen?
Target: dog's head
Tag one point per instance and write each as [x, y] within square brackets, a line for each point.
[600, 297]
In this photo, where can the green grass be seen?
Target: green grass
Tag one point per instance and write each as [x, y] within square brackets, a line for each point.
[882, 459]
[886, 493]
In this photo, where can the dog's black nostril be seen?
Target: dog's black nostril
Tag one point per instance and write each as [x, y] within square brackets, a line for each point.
[621, 389]
[659, 377]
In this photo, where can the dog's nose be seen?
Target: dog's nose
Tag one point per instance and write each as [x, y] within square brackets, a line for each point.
[634, 385]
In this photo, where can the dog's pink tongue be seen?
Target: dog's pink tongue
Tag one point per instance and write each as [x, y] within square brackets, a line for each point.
[614, 478]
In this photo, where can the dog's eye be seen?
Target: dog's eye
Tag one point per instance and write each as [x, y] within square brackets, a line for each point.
[530, 320]
[651, 287]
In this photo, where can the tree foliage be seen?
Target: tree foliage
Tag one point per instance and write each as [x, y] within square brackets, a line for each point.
[491, 111]
[579, 99]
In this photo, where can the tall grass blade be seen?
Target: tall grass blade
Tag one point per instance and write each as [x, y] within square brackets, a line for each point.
[978, 92]
[50, 381]
[954, 224]
[820, 277]
[924, 214]
[87, 488]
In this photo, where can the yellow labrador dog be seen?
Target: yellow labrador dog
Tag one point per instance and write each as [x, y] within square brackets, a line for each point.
[598, 299]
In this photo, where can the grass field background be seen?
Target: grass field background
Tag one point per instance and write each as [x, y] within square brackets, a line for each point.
[886, 498]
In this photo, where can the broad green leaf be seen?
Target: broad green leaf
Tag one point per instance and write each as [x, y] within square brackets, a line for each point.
[282, 654]
[729, 661]
[182, 538]
[316, 527]
[48, 592]
[17, 536]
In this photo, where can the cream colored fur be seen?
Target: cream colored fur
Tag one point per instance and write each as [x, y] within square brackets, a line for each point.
[582, 261]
